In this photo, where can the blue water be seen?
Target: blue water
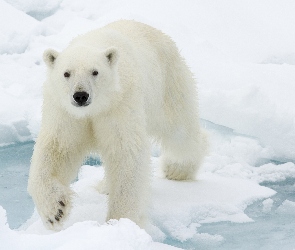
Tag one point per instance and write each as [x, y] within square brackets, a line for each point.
[14, 171]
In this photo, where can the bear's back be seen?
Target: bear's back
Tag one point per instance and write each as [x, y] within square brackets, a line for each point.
[127, 35]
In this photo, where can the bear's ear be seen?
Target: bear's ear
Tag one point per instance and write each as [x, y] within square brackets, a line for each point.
[112, 55]
[49, 57]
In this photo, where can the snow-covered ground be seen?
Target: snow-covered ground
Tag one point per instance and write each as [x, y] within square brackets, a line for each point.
[243, 56]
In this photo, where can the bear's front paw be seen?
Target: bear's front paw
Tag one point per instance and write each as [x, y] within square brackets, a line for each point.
[55, 208]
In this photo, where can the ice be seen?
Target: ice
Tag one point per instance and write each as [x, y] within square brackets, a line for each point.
[263, 110]
[202, 214]
[242, 55]
[276, 173]
[16, 29]
[287, 207]
[192, 202]
[36, 8]
[211, 199]
[267, 205]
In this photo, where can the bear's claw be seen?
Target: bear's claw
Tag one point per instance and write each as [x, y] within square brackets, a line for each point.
[60, 213]
[61, 203]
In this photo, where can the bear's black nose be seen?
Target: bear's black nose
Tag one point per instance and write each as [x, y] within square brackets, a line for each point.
[81, 98]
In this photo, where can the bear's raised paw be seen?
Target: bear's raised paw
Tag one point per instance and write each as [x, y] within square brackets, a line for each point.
[55, 206]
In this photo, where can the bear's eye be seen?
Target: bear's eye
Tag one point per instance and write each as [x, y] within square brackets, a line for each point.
[67, 74]
[94, 73]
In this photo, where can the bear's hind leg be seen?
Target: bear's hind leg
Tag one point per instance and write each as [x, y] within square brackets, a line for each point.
[183, 153]
[184, 144]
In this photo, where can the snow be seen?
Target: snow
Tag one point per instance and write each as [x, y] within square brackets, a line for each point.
[122, 234]
[17, 29]
[242, 55]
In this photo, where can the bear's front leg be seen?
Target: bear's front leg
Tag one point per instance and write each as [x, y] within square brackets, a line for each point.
[127, 170]
[51, 172]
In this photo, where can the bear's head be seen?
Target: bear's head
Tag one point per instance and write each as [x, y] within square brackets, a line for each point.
[82, 80]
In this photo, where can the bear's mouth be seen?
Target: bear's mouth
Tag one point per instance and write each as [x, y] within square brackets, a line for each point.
[81, 99]
[78, 105]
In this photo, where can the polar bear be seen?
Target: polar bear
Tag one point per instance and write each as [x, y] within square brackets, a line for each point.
[109, 92]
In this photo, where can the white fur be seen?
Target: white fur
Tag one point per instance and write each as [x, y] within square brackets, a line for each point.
[143, 89]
